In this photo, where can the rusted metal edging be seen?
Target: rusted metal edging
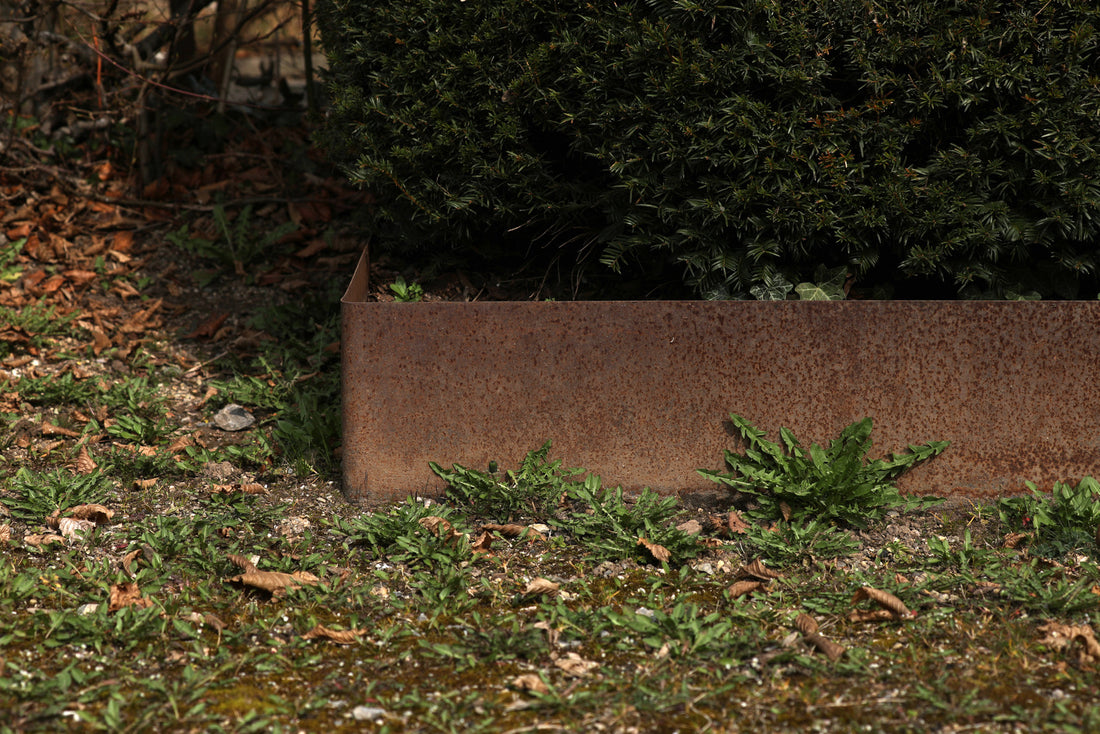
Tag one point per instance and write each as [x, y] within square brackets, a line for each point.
[640, 392]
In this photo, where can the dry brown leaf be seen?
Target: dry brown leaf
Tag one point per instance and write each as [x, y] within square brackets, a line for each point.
[691, 527]
[276, 583]
[511, 530]
[736, 525]
[785, 511]
[180, 444]
[576, 666]
[249, 488]
[830, 649]
[483, 544]
[49, 429]
[659, 552]
[871, 615]
[128, 561]
[552, 634]
[127, 594]
[140, 484]
[442, 528]
[806, 624]
[757, 570]
[100, 341]
[541, 586]
[5, 533]
[884, 599]
[437, 525]
[340, 637]
[97, 514]
[41, 539]
[531, 683]
[1014, 540]
[71, 527]
[1062, 636]
[745, 586]
[242, 563]
[84, 462]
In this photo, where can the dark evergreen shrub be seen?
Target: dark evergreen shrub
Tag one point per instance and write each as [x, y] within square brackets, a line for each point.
[748, 143]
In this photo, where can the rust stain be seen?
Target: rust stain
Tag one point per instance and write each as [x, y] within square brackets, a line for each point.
[640, 392]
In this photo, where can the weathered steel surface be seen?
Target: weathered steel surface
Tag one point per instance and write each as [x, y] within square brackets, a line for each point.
[640, 392]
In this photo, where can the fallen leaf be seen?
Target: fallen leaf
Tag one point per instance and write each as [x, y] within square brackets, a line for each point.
[756, 570]
[1014, 540]
[659, 552]
[438, 525]
[442, 528]
[97, 514]
[5, 533]
[884, 599]
[483, 544]
[71, 527]
[127, 594]
[541, 586]
[41, 539]
[276, 583]
[128, 561]
[530, 683]
[512, 530]
[785, 511]
[49, 429]
[249, 488]
[340, 637]
[145, 483]
[84, 462]
[871, 615]
[736, 525]
[740, 588]
[807, 625]
[691, 527]
[1062, 636]
[576, 666]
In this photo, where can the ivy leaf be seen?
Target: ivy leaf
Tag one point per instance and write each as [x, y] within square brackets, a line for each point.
[774, 288]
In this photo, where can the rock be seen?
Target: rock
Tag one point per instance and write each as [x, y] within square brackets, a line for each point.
[233, 418]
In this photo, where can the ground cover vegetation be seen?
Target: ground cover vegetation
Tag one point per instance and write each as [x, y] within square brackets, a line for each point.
[166, 570]
[925, 149]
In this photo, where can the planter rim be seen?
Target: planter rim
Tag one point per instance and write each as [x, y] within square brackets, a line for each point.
[639, 392]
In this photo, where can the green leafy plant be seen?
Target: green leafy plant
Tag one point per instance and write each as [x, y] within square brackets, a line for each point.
[1066, 519]
[828, 285]
[791, 542]
[241, 242]
[613, 529]
[832, 484]
[534, 490]
[38, 494]
[380, 531]
[406, 292]
[10, 271]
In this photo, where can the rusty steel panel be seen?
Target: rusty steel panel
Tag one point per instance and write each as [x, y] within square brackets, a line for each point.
[640, 392]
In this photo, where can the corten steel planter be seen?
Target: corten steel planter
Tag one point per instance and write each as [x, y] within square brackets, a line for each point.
[640, 392]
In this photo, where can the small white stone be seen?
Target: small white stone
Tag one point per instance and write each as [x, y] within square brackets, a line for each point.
[367, 713]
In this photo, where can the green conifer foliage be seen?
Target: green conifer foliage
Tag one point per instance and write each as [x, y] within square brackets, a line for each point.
[926, 141]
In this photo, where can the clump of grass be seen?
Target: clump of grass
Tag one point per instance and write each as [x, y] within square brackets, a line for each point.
[37, 494]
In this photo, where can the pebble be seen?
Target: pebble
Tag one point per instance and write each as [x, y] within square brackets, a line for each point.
[367, 713]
